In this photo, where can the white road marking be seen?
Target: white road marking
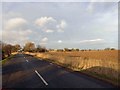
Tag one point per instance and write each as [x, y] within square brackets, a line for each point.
[27, 61]
[24, 57]
[51, 63]
[41, 77]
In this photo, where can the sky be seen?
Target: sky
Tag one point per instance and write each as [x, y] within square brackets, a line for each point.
[83, 25]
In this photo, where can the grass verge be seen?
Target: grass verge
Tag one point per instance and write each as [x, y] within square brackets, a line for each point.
[6, 59]
[103, 77]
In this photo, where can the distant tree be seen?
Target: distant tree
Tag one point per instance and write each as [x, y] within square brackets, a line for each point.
[67, 49]
[82, 50]
[98, 49]
[113, 49]
[73, 49]
[89, 49]
[7, 49]
[60, 50]
[107, 49]
[77, 49]
[29, 47]
[3, 55]
[16, 47]
[39, 48]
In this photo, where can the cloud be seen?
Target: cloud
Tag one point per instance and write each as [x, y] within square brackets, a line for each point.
[93, 41]
[16, 36]
[90, 7]
[49, 24]
[14, 31]
[59, 41]
[49, 31]
[45, 39]
[69, 19]
[44, 20]
[61, 26]
[14, 23]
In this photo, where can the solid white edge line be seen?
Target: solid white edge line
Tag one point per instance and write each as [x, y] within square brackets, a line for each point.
[41, 77]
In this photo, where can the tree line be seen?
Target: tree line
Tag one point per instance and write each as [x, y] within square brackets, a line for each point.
[7, 49]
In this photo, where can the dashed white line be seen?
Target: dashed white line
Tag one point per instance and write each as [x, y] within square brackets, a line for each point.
[41, 77]
[24, 57]
[51, 63]
[27, 61]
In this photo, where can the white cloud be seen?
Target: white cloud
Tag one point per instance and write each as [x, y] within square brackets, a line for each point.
[61, 26]
[44, 20]
[16, 36]
[93, 41]
[14, 23]
[90, 7]
[49, 31]
[45, 39]
[49, 24]
[59, 41]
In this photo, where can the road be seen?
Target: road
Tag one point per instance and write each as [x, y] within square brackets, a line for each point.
[25, 71]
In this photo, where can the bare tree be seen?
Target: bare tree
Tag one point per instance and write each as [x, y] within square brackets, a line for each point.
[16, 47]
[7, 49]
[29, 46]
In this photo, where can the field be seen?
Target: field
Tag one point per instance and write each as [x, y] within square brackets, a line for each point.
[103, 64]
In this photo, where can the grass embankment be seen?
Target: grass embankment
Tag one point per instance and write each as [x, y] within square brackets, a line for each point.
[101, 64]
[7, 58]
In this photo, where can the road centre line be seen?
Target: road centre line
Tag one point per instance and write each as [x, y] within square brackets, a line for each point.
[51, 63]
[27, 61]
[41, 77]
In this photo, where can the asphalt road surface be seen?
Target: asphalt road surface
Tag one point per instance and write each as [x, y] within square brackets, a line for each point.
[25, 71]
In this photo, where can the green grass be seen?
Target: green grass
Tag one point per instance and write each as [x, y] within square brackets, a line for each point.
[6, 59]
